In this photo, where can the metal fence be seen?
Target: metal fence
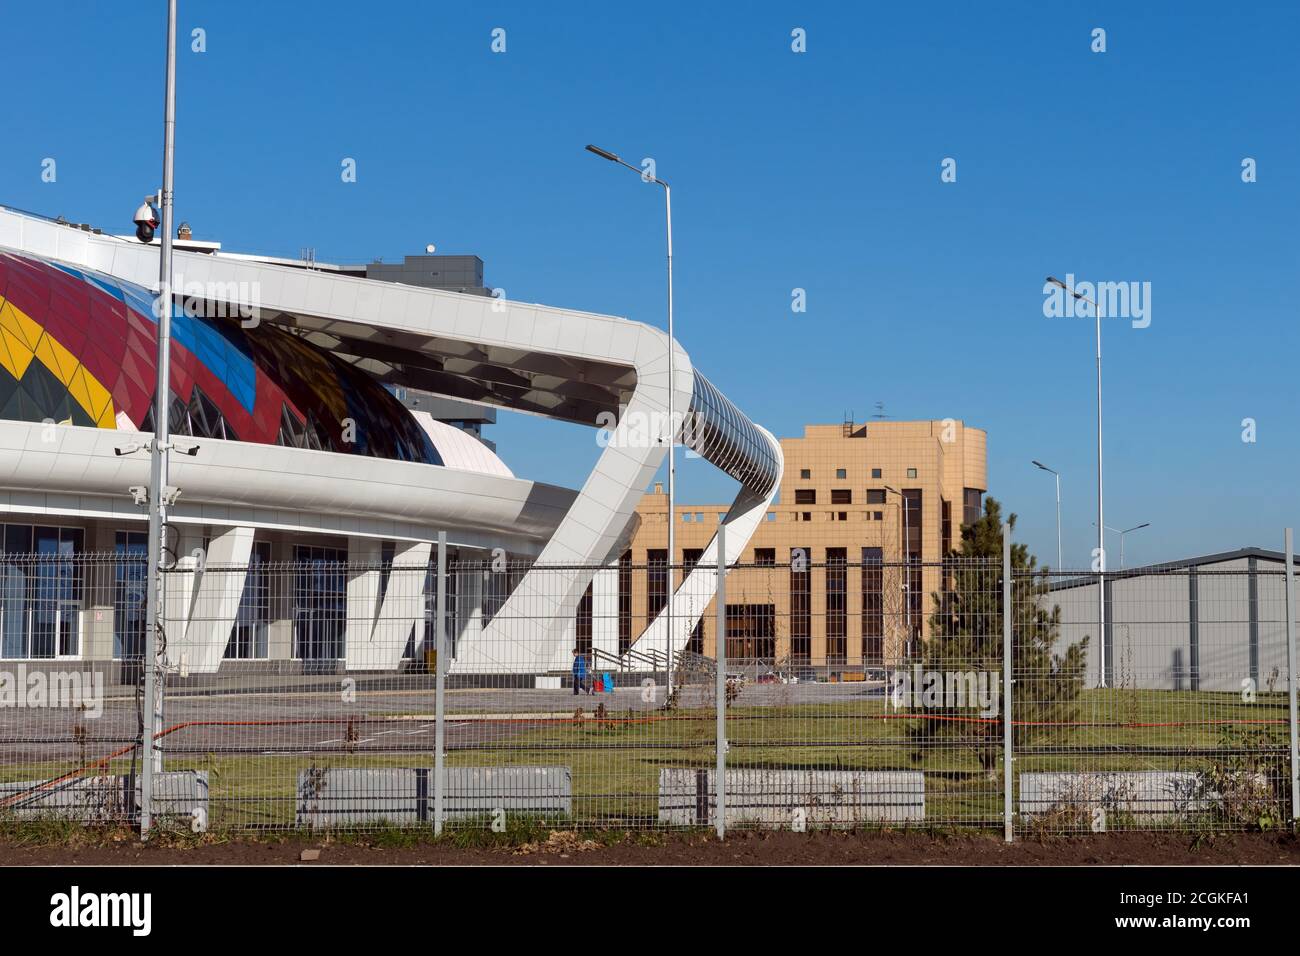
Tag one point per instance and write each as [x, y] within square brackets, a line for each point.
[848, 694]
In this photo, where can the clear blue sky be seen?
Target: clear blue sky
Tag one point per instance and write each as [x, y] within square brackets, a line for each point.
[817, 170]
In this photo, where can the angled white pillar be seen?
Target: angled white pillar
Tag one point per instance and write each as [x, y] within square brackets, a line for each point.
[203, 596]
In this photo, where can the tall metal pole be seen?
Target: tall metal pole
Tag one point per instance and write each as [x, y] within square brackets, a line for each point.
[720, 688]
[672, 425]
[1008, 828]
[151, 757]
[1101, 518]
[1289, 548]
[1058, 523]
[439, 687]
[672, 440]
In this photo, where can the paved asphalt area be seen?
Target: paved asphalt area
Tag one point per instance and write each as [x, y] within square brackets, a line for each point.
[376, 716]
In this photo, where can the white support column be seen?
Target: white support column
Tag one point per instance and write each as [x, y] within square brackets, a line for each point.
[380, 623]
[203, 597]
[364, 597]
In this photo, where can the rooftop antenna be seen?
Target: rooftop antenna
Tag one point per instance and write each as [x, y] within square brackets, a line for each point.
[880, 411]
[848, 423]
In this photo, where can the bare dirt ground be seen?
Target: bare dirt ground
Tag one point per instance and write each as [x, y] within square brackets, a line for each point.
[746, 848]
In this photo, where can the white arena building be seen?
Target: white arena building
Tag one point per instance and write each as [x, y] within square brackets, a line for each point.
[306, 456]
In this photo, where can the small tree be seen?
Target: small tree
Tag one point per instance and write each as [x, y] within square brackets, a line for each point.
[966, 635]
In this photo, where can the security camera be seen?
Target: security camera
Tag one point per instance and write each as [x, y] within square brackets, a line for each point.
[146, 220]
[139, 494]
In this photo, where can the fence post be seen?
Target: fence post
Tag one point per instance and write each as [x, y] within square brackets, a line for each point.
[1289, 549]
[720, 692]
[1008, 830]
[439, 685]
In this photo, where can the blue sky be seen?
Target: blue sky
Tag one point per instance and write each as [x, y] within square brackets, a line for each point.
[818, 171]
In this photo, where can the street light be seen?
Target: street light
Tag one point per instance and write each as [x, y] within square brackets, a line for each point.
[672, 385]
[1121, 533]
[1039, 464]
[1101, 520]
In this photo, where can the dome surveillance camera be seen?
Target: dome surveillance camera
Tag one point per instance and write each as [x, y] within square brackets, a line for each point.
[429, 248]
[146, 221]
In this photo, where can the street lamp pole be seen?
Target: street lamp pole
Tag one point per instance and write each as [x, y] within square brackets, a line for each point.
[1123, 531]
[672, 423]
[1101, 517]
[1059, 565]
[158, 450]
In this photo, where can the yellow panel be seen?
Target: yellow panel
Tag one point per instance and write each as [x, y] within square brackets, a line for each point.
[108, 417]
[19, 353]
[77, 389]
[100, 397]
[18, 322]
[56, 358]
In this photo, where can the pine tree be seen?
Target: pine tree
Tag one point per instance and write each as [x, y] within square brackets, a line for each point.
[966, 635]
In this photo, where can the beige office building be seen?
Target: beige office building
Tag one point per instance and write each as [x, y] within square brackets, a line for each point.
[822, 580]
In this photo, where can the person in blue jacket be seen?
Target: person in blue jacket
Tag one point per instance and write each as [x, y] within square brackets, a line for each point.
[579, 671]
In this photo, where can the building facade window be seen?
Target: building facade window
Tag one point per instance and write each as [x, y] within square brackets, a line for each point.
[800, 605]
[841, 473]
[320, 598]
[624, 602]
[805, 473]
[248, 637]
[836, 605]
[40, 592]
[873, 605]
[911, 472]
[765, 557]
[656, 595]
[841, 496]
[875, 496]
[130, 579]
[751, 632]
[805, 496]
[971, 505]
[875, 473]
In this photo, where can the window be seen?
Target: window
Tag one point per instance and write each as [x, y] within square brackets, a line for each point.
[771, 516]
[971, 505]
[805, 473]
[656, 582]
[800, 605]
[875, 496]
[751, 632]
[873, 605]
[765, 557]
[40, 592]
[841, 473]
[875, 473]
[806, 515]
[805, 496]
[842, 515]
[248, 638]
[841, 496]
[836, 607]
[911, 472]
[686, 516]
[699, 517]
[879, 515]
[130, 573]
[320, 598]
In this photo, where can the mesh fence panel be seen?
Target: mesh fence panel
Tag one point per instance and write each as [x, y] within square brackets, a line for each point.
[856, 694]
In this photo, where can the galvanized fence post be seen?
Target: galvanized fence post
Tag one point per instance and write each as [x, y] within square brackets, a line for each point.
[1289, 549]
[1008, 831]
[720, 687]
[439, 686]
